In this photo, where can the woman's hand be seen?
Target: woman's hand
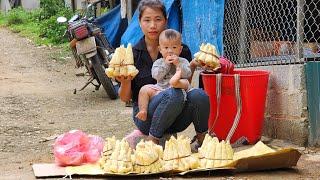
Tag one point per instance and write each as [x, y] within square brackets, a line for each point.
[194, 64]
[124, 79]
[125, 87]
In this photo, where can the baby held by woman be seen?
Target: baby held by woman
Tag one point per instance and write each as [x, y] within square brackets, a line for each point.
[169, 71]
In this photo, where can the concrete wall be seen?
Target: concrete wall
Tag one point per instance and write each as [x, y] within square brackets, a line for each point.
[68, 3]
[26, 4]
[30, 4]
[5, 5]
[286, 115]
[78, 4]
[81, 4]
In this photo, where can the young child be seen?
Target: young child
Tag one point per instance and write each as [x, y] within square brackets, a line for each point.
[169, 71]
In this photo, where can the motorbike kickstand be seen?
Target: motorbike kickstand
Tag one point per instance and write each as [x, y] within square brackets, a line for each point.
[96, 86]
[87, 83]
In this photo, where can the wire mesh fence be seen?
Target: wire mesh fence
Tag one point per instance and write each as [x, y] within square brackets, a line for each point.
[266, 32]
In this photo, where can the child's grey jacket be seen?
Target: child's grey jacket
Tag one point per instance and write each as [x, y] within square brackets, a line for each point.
[163, 72]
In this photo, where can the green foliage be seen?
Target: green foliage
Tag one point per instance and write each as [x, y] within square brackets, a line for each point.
[53, 31]
[35, 15]
[17, 16]
[39, 25]
[49, 28]
[2, 18]
[50, 8]
[104, 10]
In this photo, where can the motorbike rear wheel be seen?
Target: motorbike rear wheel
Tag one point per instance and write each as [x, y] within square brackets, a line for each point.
[103, 78]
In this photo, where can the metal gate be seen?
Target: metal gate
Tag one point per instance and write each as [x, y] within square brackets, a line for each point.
[313, 91]
[271, 32]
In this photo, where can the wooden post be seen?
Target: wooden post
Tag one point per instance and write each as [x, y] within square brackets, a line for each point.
[129, 10]
[98, 10]
[5, 5]
[243, 40]
[111, 3]
[73, 5]
[300, 29]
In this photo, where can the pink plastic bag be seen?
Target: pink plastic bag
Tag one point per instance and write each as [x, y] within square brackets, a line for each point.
[76, 147]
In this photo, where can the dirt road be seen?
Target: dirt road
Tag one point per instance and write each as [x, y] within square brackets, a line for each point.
[37, 104]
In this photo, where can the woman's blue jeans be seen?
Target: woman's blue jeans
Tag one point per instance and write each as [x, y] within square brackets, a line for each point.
[169, 113]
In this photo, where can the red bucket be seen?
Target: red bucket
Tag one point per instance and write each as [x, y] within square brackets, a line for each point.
[253, 91]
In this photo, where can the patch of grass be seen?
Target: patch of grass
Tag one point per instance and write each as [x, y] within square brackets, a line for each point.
[40, 26]
[2, 19]
[17, 16]
[41, 31]
[63, 53]
[52, 30]
[22, 22]
[31, 30]
[29, 24]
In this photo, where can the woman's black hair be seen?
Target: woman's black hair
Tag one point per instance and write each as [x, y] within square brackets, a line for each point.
[154, 4]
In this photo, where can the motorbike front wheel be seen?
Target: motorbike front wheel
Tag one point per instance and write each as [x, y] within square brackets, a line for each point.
[103, 78]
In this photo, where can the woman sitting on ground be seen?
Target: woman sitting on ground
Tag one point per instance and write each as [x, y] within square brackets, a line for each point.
[168, 112]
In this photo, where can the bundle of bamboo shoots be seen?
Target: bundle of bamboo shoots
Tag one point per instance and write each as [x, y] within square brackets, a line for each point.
[147, 158]
[213, 154]
[108, 148]
[122, 63]
[120, 160]
[208, 56]
[177, 155]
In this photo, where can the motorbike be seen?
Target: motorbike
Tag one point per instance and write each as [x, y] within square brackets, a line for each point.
[90, 48]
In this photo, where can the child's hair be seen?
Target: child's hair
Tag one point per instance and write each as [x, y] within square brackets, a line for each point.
[153, 4]
[170, 34]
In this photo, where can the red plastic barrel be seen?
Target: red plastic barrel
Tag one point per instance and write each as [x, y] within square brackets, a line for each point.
[253, 90]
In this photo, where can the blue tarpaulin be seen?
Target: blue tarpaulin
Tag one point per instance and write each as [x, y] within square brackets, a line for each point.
[133, 33]
[200, 21]
[113, 26]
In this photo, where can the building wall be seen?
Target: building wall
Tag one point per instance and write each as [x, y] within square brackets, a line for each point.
[78, 4]
[286, 115]
[68, 3]
[30, 4]
[81, 4]
[4, 5]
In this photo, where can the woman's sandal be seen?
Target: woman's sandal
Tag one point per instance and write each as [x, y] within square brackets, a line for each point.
[135, 137]
[194, 144]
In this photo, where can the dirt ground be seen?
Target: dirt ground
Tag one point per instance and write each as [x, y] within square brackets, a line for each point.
[37, 103]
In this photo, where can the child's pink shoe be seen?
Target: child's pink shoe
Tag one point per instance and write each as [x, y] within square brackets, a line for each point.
[134, 138]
